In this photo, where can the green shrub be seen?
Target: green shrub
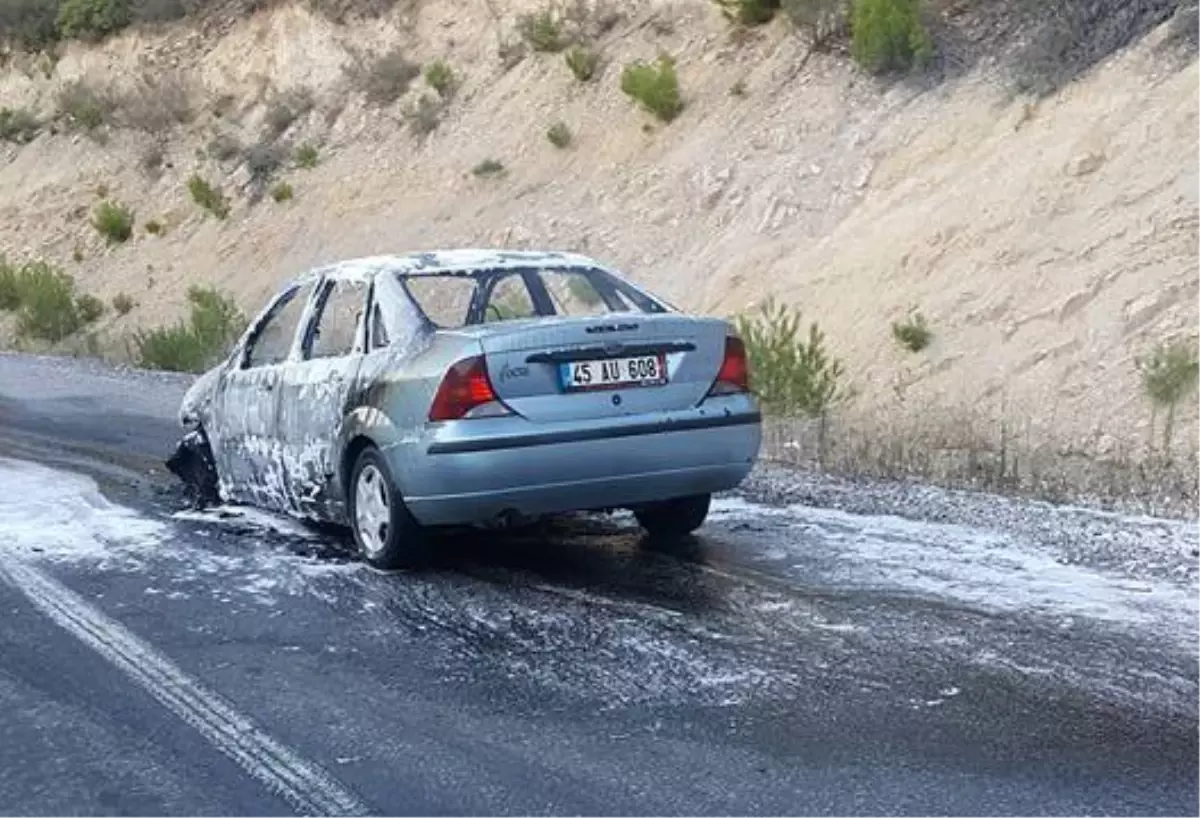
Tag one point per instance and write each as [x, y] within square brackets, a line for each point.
[43, 298]
[559, 135]
[307, 156]
[18, 125]
[282, 192]
[791, 375]
[655, 87]
[123, 304]
[888, 35]
[440, 77]
[208, 197]
[738, 89]
[489, 167]
[10, 286]
[1169, 374]
[214, 324]
[92, 19]
[114, 221]
[543, 30]
[154, 227]
[912, 333]
[583, 62]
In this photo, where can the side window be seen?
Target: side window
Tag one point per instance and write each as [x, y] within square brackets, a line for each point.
[379, 333]
[273, 340]
[508, 300]
[337, 325]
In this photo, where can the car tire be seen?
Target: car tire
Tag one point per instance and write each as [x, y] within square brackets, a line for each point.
[387, 535]
[674, 519]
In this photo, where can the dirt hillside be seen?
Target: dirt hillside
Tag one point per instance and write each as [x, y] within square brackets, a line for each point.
[1048, 242]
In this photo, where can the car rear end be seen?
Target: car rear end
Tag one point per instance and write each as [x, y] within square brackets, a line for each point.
[556, 414]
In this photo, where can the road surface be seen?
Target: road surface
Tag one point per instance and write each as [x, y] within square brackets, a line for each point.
[870, 650]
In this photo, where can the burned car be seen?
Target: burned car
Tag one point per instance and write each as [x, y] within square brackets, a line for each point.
[397, 393]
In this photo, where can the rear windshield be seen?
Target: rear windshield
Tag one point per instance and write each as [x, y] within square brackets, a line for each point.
[459, 299]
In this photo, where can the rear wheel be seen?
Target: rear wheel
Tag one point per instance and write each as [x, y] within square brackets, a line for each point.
[673, 519]
[385, 532]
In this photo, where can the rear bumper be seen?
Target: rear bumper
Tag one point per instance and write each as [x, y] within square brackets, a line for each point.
[508, 465]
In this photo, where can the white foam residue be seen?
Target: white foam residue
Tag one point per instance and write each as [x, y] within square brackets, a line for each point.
[61, 515]
[989, 569]
[239, 515]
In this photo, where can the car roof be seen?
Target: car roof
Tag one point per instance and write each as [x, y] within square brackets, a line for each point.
[432, 262]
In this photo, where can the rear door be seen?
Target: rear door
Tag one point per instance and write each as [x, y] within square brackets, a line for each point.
[246, 440]
[315, 393]
[599, 356]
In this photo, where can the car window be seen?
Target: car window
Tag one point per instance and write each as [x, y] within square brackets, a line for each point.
[445, 299]
[449, 299]
[509, 300]
[337, 325]
[273, 340]
[574, 293]
[379, 333]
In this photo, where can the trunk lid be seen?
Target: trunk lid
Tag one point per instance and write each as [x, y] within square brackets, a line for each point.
[526, 361]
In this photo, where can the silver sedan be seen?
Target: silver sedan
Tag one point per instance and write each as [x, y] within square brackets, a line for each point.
[396, 393]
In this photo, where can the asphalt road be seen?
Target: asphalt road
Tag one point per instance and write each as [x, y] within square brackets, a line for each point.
[796, 659]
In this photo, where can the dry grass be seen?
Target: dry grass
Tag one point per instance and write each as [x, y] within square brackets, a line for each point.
[968, 449]
[383, 79]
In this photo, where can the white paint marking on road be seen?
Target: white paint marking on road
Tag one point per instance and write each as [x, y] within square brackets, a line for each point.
[45, 513]
[306, 786]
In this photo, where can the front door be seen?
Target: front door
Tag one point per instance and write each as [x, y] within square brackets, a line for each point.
[246, 440]
[315, 394]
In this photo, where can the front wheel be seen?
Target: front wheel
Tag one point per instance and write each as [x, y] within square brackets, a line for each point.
[673, 519]
[386, 534]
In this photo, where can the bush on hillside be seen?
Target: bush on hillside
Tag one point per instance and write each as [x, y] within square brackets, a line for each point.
[307, 156]
[45, 301]
[208, 196]
[92, 19]
[285, 108]
[912, 333]
[888, 35]
[559, 135]
[656, 87]
[583, 62]
[123, 304]
[18, 125]
[440, 77]
[114, 221]
[543, 30]
[214, 324]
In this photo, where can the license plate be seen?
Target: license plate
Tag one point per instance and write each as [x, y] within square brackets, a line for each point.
[643, 370]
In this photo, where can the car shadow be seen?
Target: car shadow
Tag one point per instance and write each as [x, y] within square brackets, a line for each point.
[579, 553]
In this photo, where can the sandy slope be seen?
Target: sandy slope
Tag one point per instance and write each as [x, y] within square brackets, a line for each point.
[1048, 244]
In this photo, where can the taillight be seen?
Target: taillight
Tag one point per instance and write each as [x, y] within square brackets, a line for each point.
[464, 387]
[734, 375]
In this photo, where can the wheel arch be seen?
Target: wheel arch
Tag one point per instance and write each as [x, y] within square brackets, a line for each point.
[363, 427]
